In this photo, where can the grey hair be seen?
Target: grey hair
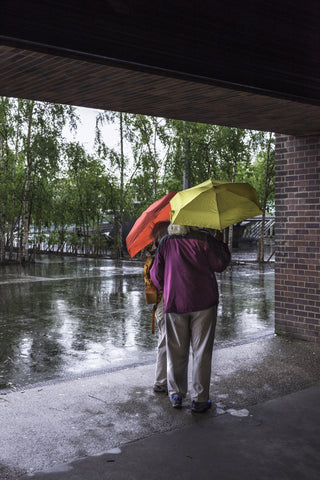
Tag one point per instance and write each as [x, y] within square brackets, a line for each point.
[178, 229]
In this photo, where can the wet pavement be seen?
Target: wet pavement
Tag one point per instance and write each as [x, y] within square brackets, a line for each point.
[64, 317]
[77, 369]
[112, 425]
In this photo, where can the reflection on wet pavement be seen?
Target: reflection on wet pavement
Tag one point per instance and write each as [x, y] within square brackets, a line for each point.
[65, 316]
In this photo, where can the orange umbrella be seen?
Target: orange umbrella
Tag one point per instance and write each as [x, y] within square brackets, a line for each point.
[140, 234]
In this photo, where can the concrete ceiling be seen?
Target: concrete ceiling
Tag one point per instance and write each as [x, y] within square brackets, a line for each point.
[258, 70]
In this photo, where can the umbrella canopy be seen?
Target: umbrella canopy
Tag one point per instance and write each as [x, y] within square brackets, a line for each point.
[214, 204]
[140, 234]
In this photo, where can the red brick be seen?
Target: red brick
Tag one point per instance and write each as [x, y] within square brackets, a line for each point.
[297, 280]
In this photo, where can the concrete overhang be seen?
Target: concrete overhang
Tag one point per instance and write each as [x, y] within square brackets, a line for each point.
[208, 68]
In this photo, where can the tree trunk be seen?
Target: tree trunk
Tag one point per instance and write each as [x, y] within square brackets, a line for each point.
[25, 239]
[186, 159]
[26, 195]
[2, 207]
[261, 240]
[4, 155]
[264, 205]
[152, 151]
[3, 242]
[155, 164]
[230, 238]
[15, 219]
[119, 217]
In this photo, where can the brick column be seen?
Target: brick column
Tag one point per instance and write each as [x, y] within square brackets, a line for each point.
[297, 237]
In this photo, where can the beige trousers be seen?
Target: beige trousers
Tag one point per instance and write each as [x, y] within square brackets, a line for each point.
[161, 365]
[197, 330]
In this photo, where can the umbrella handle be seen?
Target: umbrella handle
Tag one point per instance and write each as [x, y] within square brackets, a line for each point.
[153, 317]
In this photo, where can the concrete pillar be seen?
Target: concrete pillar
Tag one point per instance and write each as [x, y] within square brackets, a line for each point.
[297, 237]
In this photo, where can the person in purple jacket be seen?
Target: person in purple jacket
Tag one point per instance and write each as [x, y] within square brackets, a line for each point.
[184, 269]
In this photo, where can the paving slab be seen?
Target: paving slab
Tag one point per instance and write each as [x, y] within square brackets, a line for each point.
[67, 427]
[278, 440]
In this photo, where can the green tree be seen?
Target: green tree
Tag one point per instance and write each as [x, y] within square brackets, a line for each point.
[261, 175]
[234, 150]
[201, 151]
[221, 153]
[190, 153]
[5, 173]
[263, 180]
[118, 182]
[84, 191]
[148, 156]
[42, 141]
[10, 172]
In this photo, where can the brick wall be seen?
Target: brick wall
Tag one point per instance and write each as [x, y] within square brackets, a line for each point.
[297, 282]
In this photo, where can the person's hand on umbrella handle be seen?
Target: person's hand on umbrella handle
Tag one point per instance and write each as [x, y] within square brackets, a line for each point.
[218, 235]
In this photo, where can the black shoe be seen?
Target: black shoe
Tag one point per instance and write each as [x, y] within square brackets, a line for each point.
[200, 407]
[160, 388]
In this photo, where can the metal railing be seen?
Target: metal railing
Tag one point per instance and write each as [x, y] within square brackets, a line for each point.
[253, 230]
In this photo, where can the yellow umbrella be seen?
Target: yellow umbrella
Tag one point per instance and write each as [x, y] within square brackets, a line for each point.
[214, 204]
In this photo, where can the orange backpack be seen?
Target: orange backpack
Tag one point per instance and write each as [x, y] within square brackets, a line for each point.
[151, 293]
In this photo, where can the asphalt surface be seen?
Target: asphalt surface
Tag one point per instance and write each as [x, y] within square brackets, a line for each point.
[265, 423]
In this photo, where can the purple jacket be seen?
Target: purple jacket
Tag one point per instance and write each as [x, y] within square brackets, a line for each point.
[184, 269]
